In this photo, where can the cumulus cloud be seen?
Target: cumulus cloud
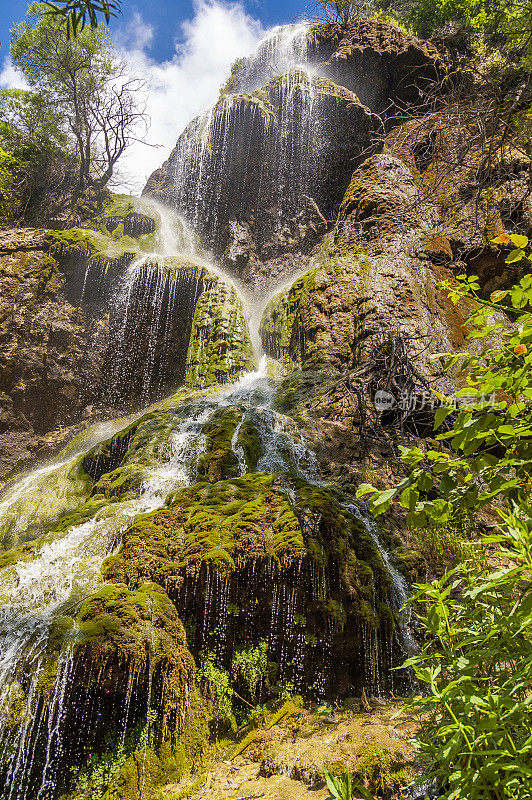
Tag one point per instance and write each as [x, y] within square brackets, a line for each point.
[179, 89]
[10, 78]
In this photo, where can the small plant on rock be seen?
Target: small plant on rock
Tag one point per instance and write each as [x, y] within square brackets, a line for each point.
[344, 787]
[251, 665]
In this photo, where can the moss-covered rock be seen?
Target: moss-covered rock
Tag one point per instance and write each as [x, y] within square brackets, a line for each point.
[275, 549]
[138, 633]
[219, 460]
[220, 347]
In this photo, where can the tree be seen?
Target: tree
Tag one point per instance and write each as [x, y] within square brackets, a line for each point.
[6, 186]
[87, 84]
[43, 161]
[345, 11]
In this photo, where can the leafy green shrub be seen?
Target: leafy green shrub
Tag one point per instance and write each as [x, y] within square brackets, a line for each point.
[477, 659]
[427, 16]
[43, 166]
[216, 685]
[344, 786]
[7, 200]
[251, 665]
[477, 666]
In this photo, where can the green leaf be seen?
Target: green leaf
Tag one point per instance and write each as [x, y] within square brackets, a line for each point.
[515, 255]
[383, 498]
[518, 240]
[441, 415]
[364, 489]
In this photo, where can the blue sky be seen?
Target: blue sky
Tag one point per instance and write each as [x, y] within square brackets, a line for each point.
[166, 16]
[183, 50]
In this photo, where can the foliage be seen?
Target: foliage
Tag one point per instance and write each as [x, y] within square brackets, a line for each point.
[7, 162]
[43, 159]
[251, 665]
[477, 660]
[505, 22]
[88, 86]
[342, 787]
[216, 685]
[429, 15]
[345, 11]
[487, 453]
[477, 666]
[102, 769]
[76, 13]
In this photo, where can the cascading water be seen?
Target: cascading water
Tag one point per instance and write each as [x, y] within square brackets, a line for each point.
[265, 573]
[276, 150]
[281, 48]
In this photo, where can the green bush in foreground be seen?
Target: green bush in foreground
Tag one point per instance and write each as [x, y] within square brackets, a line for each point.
[476, 729]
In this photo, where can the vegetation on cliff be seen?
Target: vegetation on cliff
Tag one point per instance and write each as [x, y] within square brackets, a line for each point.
[477, 661]
[66, 134]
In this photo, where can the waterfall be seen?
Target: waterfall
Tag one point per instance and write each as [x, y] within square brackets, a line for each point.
[281, 48]
[249, 544]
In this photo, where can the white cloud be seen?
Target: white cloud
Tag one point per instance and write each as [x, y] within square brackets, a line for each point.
[10, 78]
[179, 89]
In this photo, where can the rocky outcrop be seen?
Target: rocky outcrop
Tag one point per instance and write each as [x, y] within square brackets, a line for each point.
[387, 68]
[472, 181]
[262, 175]
[262, 172]
[43, 339]
[379, 273]
[82, 338]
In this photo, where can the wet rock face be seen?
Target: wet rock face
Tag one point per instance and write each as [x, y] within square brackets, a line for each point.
[384, 66]
[378, 275]
[281, 555]
[262, 175]
[42, 342]
[387, 68]
[81, 339]
[263, 169]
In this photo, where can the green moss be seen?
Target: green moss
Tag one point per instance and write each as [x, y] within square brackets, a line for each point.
[125, 769]
[90, 243]
[229, 85]
[138, 632]
[300, 80]
[29, 515]
[249, 519]
[219, 460]
[383, 772]
[13, 711]
[124, 482]
[220, 348]
[249, 440]
[258, 99]
[282, 328]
